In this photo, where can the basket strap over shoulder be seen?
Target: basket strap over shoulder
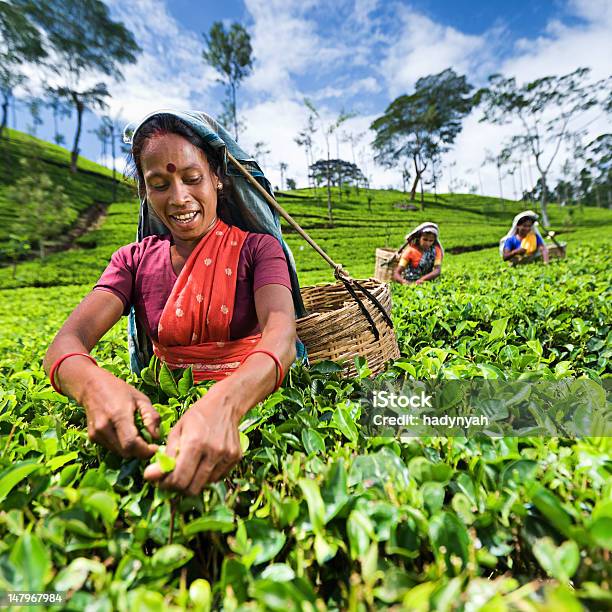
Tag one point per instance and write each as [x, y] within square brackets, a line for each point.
[348, 282]
[282, 212]
[339, 273]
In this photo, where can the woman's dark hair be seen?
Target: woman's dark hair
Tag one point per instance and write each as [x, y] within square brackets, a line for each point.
[415, 239]
[165, 123]
[525, 218]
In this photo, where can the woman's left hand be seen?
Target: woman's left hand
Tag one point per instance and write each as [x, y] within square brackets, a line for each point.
[206, 444]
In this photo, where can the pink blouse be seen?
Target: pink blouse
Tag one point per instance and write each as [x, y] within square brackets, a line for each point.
[140, 274]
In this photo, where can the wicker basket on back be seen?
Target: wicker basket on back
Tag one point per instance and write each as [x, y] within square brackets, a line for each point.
[348, 318]
[386, 261]
[338, 330]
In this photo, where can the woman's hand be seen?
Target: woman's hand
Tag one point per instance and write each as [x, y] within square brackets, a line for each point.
[110, 404]
[206, 444]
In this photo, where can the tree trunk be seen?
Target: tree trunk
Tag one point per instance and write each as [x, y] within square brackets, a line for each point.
[422, 197]
[543, 202]
[417, 178]
[234, 115]
[435, 185]
[5, 110]
[329, 203]
[501, 189]
[112, 134]
[74, 155]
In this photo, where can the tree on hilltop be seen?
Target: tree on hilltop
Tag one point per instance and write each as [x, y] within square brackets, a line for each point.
[20, 42]
[84, 40]
[339, 172]
[230, 53]
[544, 109]
[328, 128]
[421, 126]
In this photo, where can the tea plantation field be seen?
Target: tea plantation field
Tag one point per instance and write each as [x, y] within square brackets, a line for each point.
[319, 515]
[24, 155]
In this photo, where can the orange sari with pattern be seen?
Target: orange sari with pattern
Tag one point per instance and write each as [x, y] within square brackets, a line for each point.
[194, 328]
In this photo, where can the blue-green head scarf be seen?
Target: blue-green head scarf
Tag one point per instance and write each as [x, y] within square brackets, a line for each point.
[248, 210]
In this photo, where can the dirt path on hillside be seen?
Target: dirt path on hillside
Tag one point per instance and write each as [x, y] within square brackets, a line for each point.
[88, 221]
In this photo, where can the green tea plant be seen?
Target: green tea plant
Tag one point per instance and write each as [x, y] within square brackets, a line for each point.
[321, 513]
[318, 515]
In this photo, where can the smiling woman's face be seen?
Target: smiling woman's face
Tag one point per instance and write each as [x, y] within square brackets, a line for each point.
[524, 228]
[181, 186]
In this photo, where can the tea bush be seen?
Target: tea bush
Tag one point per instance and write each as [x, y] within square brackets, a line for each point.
[318, 515]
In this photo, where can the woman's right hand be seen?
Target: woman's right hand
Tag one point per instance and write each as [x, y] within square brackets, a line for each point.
[111, 404]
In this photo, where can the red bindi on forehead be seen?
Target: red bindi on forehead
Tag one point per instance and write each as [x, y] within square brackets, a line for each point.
[171, 167]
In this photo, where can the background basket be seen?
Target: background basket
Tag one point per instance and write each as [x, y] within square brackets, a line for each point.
[338, 330]
[386, 261]
[557, 250]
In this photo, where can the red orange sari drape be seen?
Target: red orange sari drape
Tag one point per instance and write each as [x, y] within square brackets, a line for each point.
[194, 329]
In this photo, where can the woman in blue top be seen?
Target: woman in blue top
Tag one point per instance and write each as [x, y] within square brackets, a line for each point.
[523, 242]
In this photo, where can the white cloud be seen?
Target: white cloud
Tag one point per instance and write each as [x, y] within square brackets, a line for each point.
[276, 123]
[285, 43]
[170, 72]
[564, 48]
[424, 47]
[362, 10]
[365, 85]
[561, 49]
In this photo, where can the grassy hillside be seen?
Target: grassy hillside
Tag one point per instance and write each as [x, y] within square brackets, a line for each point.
[91, 185]
[466, 221]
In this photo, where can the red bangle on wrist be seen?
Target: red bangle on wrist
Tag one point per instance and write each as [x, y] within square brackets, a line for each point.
[57, 364]
[279, 366]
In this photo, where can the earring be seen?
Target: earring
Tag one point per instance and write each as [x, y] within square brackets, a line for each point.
[219, 186]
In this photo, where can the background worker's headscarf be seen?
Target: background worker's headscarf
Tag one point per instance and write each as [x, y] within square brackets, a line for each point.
[426, 227]
[247, 208]
[526, 213]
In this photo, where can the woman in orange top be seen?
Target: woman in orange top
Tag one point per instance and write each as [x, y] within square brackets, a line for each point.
[421, 260]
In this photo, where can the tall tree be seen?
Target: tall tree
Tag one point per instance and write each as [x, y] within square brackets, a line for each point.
[60, 110]
[424, 124]
[543, 109]
[86, 41]
[328, 128]
[283, 168]
[34, 105]
[261, 153]
[230, 53]
[304, 139]
[339, 171]
[20, 42]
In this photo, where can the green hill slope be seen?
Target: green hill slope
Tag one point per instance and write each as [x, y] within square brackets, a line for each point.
[93, 183]
[467, 222]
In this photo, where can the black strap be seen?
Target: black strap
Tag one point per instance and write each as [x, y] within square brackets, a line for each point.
[376, 303]
[348, 284]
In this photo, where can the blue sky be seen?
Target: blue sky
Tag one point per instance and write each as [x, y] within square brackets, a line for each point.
[353, 55]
